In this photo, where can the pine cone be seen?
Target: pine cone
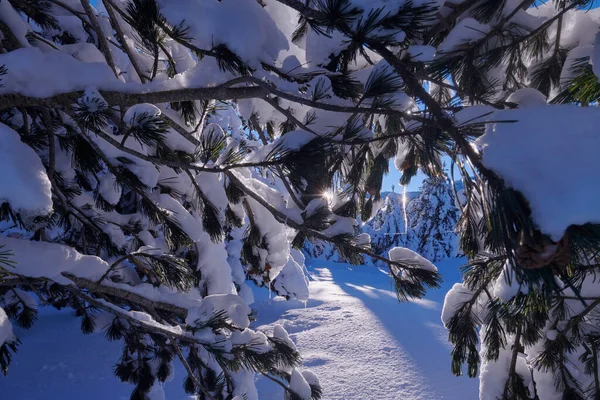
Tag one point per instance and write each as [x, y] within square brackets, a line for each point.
[406, 164]
[545, 254]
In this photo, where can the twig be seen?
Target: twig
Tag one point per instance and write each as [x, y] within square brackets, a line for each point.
[190, 373]
[51, 145]
[121, 35]
[103, 42]
[112, 266]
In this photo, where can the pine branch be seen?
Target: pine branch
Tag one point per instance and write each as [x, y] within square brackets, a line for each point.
[34, 35]
[280, 173]
[103, 42]
[189, 371]
[121, 293]
[540, 28]
[277, 381]
[288, 115]
[127, 99]
[78, 14]
[130, 54]
[448, 21]
[47, 119]
[113, 265]
[513, 361]
[442, 120]
[284, 219]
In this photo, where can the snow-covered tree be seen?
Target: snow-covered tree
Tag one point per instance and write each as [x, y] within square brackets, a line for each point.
[158, 154]
[432, 219]
[388, 227]
[425, 223]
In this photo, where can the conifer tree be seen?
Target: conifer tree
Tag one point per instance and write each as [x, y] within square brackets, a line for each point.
[155, 164]
[388, 228]
[161, 153]
[432, 218]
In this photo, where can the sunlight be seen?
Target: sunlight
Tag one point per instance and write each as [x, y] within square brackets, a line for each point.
[329, 196]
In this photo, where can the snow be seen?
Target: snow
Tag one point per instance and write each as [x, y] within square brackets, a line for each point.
[237, 310]
[506, 285]
[551, 334]
[530, 156]
[250, 32]
[352, 334]
[453, 300]
[291, 281]
[50, 260]
[6, 331]
[421, 53]
[14, 22]
[527, 97]
[361, 343]
[466, 31]
[23, 182]
[275, 236]
[407, 256]
[109, 189]
[493, 373]
[342, 226]
[595, 60]
[294, 140]
[140, 110]
[474, 114]
[280, 333]
[85, 52]
[61, 73]
[299, 385]
[212, 257]
[574, 57]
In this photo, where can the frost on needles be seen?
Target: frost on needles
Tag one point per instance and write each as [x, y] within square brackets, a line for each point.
[161, 156]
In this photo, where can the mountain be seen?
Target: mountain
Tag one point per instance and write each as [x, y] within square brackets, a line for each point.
[422, 221]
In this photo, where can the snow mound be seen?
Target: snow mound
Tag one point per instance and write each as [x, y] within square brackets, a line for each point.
[51, 260]
[527, 97]
[6, 333]
[531, 156]
[404, 255]
[61, 73]
[23, 182]
[466, 31]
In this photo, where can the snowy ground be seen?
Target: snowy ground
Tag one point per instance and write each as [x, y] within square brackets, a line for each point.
[353, 333]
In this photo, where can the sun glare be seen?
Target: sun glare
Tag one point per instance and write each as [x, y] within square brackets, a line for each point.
[328, 196]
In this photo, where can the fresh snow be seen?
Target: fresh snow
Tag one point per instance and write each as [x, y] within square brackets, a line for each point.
[407, 256]
[61, 73]
[24, 183]
[362, 343]
[6, 331]
[250, 32]
[354, 335]
[51, 260]
[466, 31]
[530, 155]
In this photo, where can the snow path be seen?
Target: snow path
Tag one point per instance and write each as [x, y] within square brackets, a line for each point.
[353, 333]
[363, 344]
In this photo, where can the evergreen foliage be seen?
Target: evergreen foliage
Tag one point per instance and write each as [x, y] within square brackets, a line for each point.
[168, 148]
